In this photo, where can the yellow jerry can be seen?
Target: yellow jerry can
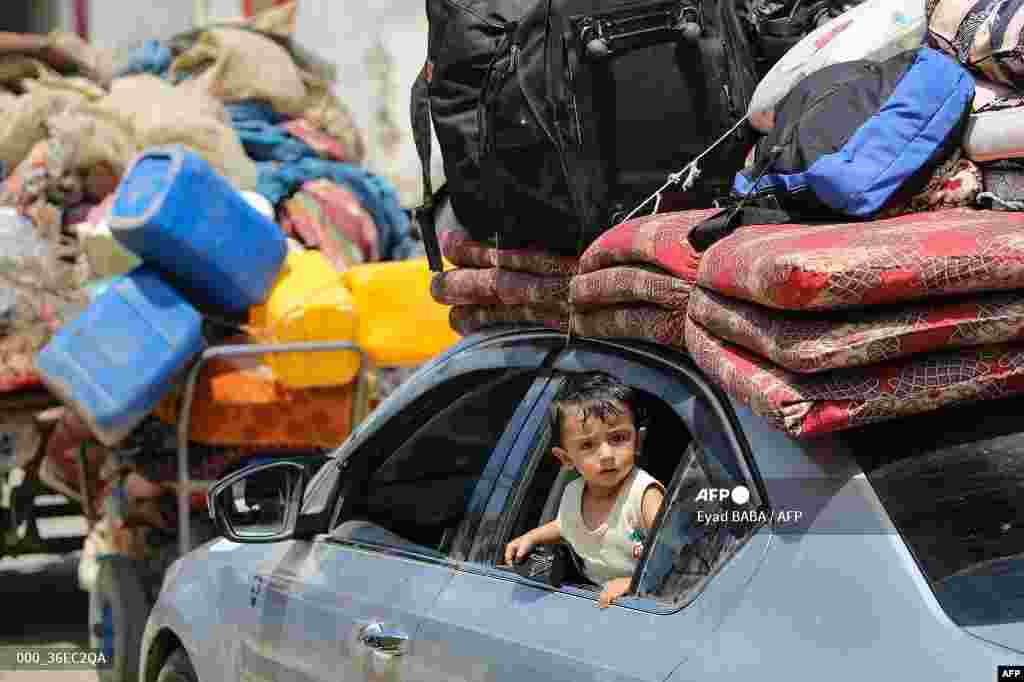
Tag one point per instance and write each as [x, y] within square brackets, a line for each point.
[400, 325]
[308, 302]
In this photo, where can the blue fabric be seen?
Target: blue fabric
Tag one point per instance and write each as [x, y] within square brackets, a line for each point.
[265, 142]
[926, 106]
[377, 195]
[777, 182]
[253, 110]
[151, 57]
[882, 154]
[256, 124]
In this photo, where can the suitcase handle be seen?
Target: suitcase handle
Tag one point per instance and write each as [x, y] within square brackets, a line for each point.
[607, 34]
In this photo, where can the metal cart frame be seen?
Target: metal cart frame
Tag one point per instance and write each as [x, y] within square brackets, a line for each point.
[360, 408]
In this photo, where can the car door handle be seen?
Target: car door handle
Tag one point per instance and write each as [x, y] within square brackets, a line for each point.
[384, 638]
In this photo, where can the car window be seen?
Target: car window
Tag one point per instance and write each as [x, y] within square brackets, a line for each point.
[951, 481]
[411, 485]
[688, 446]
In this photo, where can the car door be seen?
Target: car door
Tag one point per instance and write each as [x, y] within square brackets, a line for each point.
[348, 605]
[490, 623]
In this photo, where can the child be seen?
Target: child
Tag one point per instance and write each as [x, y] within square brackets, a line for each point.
[606, 513]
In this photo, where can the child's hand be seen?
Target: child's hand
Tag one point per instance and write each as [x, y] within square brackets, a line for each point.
[518, 549]
[613, 589]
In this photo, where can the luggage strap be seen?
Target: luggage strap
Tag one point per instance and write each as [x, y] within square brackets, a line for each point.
[423, 135]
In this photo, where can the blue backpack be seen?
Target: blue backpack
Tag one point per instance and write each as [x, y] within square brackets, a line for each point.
[849, 140]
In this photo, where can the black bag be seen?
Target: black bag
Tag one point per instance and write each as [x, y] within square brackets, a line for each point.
[556, 117]
[781, 24]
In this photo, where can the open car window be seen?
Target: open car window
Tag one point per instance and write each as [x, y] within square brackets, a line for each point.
[412, 487]
[688, 446]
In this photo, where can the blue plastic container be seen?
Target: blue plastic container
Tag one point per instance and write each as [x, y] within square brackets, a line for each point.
[116, 360]
[180, 216]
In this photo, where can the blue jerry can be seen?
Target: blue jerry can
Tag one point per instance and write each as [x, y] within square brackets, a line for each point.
[116, 360]
[175, 212]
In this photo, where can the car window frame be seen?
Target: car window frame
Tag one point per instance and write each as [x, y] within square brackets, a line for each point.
[525, 351]
[669, 368]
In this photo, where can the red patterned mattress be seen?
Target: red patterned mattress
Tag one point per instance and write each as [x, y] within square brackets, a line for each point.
[629, 284]
[494, 286]
[658, 240]
[806, 405]
[829, 340]
[911, 257]
[469, 319]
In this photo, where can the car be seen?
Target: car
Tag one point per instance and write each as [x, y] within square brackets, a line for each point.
[890, 551]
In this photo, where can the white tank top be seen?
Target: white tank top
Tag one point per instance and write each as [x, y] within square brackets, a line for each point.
[614, 548]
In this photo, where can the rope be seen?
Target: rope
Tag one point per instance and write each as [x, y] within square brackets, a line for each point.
[690, 170]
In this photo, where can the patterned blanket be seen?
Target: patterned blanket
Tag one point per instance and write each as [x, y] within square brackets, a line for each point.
[658, 240]
[329, 217]
[806, 405]
[634, 321]
[824, 341]
[461, 250]
[495, 286]
[469, 319]
[640, 284]
[911, 257]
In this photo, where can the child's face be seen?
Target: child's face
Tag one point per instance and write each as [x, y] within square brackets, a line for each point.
[601, 450]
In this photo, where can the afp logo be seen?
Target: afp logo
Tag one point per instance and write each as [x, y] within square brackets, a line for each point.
[1010, 672]
[740, 494]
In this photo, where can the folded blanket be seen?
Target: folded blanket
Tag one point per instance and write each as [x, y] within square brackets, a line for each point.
[915, 256]
[823, 341]
[461, 250]
[336, 149]
[329, 217]
[643, 322]
[489, 286]
[469, 319]
[804, 405]
[237, 402]
[643, 284]
[658, 240]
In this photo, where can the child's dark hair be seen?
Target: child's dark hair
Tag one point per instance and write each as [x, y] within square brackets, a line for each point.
[602, 394]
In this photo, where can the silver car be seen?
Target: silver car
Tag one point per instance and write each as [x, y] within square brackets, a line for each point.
[891, 552]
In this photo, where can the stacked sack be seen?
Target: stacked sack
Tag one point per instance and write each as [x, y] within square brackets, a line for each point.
[985, 37]
[826, 327]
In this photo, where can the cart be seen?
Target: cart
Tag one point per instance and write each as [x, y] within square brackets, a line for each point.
[124, 587]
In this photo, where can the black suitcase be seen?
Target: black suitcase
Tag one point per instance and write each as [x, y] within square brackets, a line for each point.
[557, 117]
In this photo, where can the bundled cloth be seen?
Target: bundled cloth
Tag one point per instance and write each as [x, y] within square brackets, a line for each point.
[30, 94]
[826, 327]
[239, 403]
[143, 111]
[329, 217]
[377, 195]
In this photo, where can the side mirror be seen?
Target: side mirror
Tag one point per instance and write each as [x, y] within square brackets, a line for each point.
[260, 503]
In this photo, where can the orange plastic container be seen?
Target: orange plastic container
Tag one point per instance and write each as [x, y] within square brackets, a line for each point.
[400, 325]
[308, 302]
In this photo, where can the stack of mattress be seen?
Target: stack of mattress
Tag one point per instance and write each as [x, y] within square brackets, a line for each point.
[635, 280]
[827, 327]
[492, 286]
[632, 282]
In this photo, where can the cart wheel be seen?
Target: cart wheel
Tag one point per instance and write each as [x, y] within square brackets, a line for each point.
[177, 668]
[118, 609]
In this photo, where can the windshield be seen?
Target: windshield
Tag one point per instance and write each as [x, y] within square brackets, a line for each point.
[953, 483]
